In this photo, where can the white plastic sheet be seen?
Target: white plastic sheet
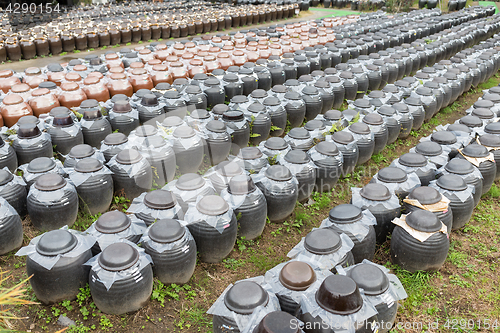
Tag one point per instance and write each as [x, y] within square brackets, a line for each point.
[358, 229]
[137, 227]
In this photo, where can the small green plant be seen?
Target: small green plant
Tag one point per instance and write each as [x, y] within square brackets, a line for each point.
[85, 312]
[105, 323]
[77, 51]
[67, 304]
[232, 264]
[275, 128]
[83, 296]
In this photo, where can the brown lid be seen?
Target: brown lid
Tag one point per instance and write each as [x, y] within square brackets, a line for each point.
[91, 80]
[154, 62]
[196, 62]
[160, 67]
[69, 86]
[111, 56]
[297, 275]
[136, 64]
[40, 92]
[117, 69]
[72, 76]
[20, 88]
[6, 73]
[145, 51]
[118, 76]
[79, 68]
[12, 99]
[139, 71]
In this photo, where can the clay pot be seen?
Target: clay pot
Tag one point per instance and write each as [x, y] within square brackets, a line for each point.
[43, 101]
[14, 107]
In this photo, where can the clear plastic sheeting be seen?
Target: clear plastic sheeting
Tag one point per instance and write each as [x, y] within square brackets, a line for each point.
[238, 124]
[243, 322]
[298, 142]
[325, 261]
[98, 155]
[72, 130]
[137, 227]
[138, 206]
[6, 210]
[85, 242]
[475, 174]
[218, 222]
[361, 202]
[478, 160]
[50, 197]
[393, 294]
[17, 180]
[464, 138]
[162, 247]
[107, 278]
[122, 146]
[212, 172]
[133, 114]
[235, 201]
[317, 156]
[198, 124]
[440, 206]
[358, 229]
[273, 284]
[271, 152]
[272, 185]
[319, 134]
[296, 168]
[29, 176]
[421, 236]
[463, 196]
[358, 137]
[4, 150]
[187, 143]
[447, 148]
[340, 323]
[250, 165]
[351, 147]
[26, 143]
[78, 178]
[137, 141]
[130, 169]
[187, 197]
[408, 169]
[437, 160]
[412, 182]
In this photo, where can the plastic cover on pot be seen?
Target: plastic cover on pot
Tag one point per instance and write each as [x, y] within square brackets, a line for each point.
[358, 229]
[78, 178]
[411, 182]
[130, 169]
[410, 169]
[297, 168]
[359, 201]
[219, 222]
[270, 184]
[29, 176]
[16, 180]
[317, 156]
[463, 195]
[107, 278]
[51, 197]
[83, 244]
[136, 227]
[478, 160]
[266, 148]
[250, 164]
[26, 142]
[162, 247]
[138, 205]
[236, 200]
[190, 196]
[98, 155]
[421, 236]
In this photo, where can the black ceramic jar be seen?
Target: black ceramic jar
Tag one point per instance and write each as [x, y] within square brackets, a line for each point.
[11, 237]
[328, 161]
[95, 127]
[484, 161]
[65, 134]
[29, 144]
[188, 188]
[8, 156]
[113, 144]
[13, 190]
[299, 164]
[299, 138]
[364, 141]
[468, 172]
[348, 147]
[218, 141]
[123, 117]
[492, 143]
[425, 197]
[132, 174]
[418, 163]
[79, 152]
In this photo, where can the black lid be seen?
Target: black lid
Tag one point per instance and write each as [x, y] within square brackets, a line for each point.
[245, 296]
[115, 139]
[359, 128]
[297, 156]
[41, 164]
[259, 93]
[444, 137]
[271, 101]
[345, 213]
[390, 88]
[373, 119]
[451, 183]
[81, 151]
[166, 231]
[339, 294]
[376, 94]
[292, 95]
[401, 107]
[362, 103]
[159, 200]
[476, 151]
[492, 128]
[233, 115]
[413, 101]
[459, 166]
[386, 110]
[212, 205]
[428, 148]
[423, 220]
[471, 121]
[128, 157]
[228, 169]
[342, 137]
[184, 132]
[490, 140]
[149, 100]
[198, 114]
[87, 165]
[27, 120]
[50, 182]
[327, 148]
[27, 131]
[458, 128]
[220, 108]
[425, 195]
[312, 125]
[333, 115]
[299, 133]
[375, 192]
[191, 89]
[413, 160]
[370, 278]
[277, 322]
[279, 88]
[146, 130]
[119, 97]
[297, 275]
[89, 103]
[322, 241]
[278, 173]
[239, 99]
[162, 86]
[112, 222]
[240, 185]
[62, 120]
[256, 107]
[230, 77]
[118, 257]
[392, 175]
[276, 143]
[5, 177]
[47, 84]
[483, 103]
[122, 106]
[424, 91]
[310, 90]
[56, 242]
[216, 126]
[483, 113]
[249, 153]
[172, 121]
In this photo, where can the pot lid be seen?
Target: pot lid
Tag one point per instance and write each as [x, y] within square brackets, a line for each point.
[292, 95]
[149, 100]
[459, 166]
[362, 103]
[401, 107]
[5, 177]
[375, 192]
[373, 119]
[424, 91]
[276, 143]
[272, 101]
[87, 165]
[414, 101]
[476, 151]
[256, 107]
[392, 175]
[112, 222]
[199, 114]
[297, 156]
[299, 133]
[386, 110]
[239, 99]
[184, 132]
[490, 140]
[241, 184]
[451, 183]
[458, 128]
[50, 182]
[233, 115]
[333, 115]
[41, 164]
[166, 231]
[428, 148]
[249, 153]
[128, 156]
[413, 160]
[322, 241]
[119, 97]
[220, 109]
[444, 137]
[423, 220]
[62, 120]
[189, 182]
[342, 137]
[89, 103]
[310, 90]
[212, 205]
[56, 242]
[297, 275]
[159, 200]
[279, 88]
[172, 121]
[327, 148]
[345, 213]
[359, 128]
[245, 296]
[48, 85]
[312, 125]
[146, 130]
[27, 120]
[339, 294]
[471, 121]
[216, 126]
[81, 151]
[376, 94]
[370, 278]
[27, 131]
[228, 169]
[492, 128]
[483, 113]
[425, 195]
[115, 139]
[277, 322]
[278, 173]
[390, 88]
[118, 257]
[259, 93]
[483, 103]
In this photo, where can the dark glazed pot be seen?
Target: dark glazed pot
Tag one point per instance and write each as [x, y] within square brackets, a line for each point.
[55, 205]
[345, 214]
[238, 128]
[212, 245]
[69, 274]
[188, 149]
[123, 119]
[380, 133]
[328, 161]
[65, 134]
[11, 237]
[176, 264]
[13, 192]
[428, 196]
[115, 143]
[161, 156]
[414, 255]
[218, 142]
[136, 285]
[95, 127]
[281, 190]
[30, 144]
[406, 119]
[299, 138]
[131, 184]
[488, 168]
[412, 162]
[278, 115]
[349, 149]
[365, 145]
[416, 110]
[300, 166]
[295, 108]
[466, 170]
[8, 157]
[313, 101]
[150, 110]
[492, 142]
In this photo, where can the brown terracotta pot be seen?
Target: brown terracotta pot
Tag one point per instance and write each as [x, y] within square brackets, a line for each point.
[140, 79]
[112, 60]
[33, 77]
[23, 90]
[43, 101]
[211, 63]
[145, 55]
[196, 66]
[118, 84]
[73, 77]
[239, 57]
[14, 107]
[7, 80]
[95, 89]
[225, 60]
[178, 71]
[72, 95]
[160, 73]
